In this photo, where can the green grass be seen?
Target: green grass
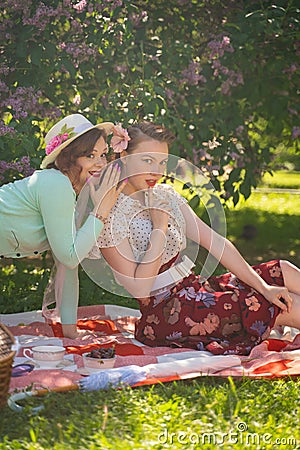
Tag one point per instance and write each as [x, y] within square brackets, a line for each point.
[281, 179]
[276, 218]
[173, 415]
[205, 413]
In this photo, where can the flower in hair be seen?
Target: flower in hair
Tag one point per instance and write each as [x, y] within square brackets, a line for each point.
[64, 135]
[120, 139]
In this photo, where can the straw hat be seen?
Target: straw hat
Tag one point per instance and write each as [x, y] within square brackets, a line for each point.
[66, 131]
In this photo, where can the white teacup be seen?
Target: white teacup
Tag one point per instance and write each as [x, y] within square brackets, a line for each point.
[45, 355]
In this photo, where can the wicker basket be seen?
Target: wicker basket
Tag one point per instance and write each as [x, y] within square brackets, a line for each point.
[6, 360]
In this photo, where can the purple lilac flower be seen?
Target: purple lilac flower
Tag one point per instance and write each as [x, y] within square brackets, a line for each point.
[121, 68]
[192, 75]
[295, 132]
[5, 70]
[234, 79]
[80, 52]
[4, 129]
[239, 130]
[25, 101]
[22, 167]
[137, 18]
[15, 6]
[76, 27]
[41, 18]
[117, 3]
[3, 87]
[218, 48]
[291, 70]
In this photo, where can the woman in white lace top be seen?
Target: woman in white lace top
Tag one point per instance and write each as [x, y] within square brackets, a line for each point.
[142, 240]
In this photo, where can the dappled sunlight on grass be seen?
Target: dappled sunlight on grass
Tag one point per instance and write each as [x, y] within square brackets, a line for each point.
[281, 179]
[275, 223]
[272, 202]
[201, 413]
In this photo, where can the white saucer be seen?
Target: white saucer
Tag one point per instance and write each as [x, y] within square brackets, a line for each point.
[83, 371]
[86, 372]
[61, 365]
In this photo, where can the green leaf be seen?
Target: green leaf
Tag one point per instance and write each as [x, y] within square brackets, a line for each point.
[36, 55]
[50, 50]
[69, 66]
[194, 202]
[235, 197]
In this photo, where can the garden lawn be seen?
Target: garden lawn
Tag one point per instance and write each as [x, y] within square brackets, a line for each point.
[281, 179]
[204, 413]
[274, 221]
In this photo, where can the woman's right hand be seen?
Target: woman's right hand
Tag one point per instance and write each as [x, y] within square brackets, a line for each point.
[105, 196]
[159, 211]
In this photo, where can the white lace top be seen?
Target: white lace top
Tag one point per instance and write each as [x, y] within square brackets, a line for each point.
[130, 219]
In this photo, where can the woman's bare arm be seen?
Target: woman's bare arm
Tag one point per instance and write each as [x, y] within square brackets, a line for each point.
[228, 255]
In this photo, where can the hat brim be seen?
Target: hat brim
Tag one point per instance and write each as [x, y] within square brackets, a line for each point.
[106, 126]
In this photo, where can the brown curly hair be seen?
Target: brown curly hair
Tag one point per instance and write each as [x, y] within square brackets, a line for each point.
[82, 146]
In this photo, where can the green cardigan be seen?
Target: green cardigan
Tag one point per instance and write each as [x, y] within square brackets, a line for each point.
[37, 214]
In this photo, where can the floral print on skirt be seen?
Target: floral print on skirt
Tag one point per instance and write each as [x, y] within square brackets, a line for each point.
[222, 315]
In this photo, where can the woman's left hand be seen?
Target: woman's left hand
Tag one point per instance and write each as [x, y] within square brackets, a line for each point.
[279, 296]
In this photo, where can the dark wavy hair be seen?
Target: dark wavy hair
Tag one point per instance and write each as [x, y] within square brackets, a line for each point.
[146, 131]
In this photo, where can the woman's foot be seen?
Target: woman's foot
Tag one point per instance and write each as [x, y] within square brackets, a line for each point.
[72, 332]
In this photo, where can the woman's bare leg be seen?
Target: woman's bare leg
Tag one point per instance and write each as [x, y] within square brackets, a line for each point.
[291, 276]
[291, 319]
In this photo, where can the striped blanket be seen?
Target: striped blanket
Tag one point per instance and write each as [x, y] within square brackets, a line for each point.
[278, 356]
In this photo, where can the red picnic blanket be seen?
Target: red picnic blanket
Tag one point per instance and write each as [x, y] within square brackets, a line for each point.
[278, 356]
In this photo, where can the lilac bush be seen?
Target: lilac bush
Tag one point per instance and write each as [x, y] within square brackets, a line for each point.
[9, 171]
[213, 72]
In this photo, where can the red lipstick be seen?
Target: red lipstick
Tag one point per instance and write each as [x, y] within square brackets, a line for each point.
[95, 174]
[151, 183]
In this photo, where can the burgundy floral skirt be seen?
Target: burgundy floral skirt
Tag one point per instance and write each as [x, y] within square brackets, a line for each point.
[222, 315]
